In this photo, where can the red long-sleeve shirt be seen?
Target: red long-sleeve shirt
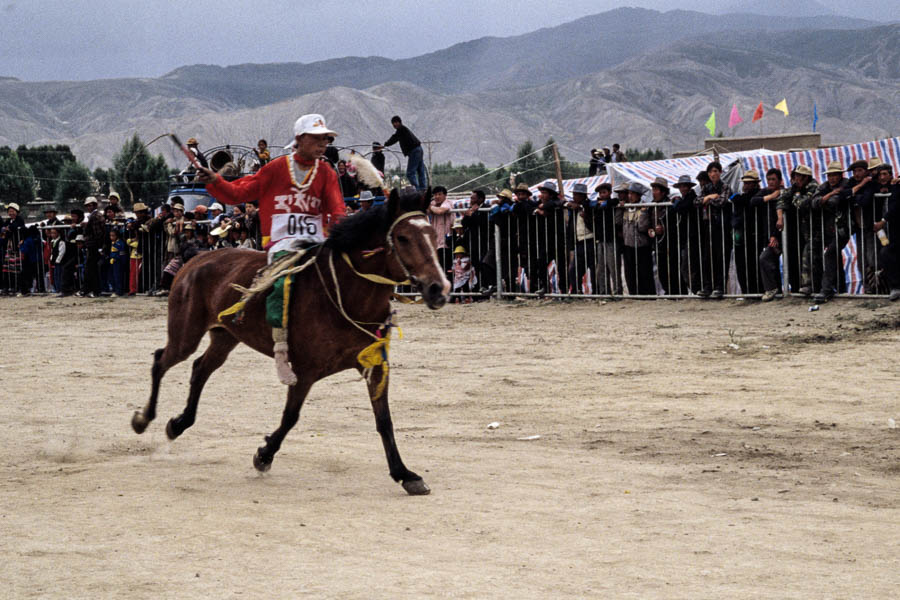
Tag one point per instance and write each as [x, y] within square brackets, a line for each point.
[272, 187]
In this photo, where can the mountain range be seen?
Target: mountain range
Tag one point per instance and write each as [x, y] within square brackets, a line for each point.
[639, 77]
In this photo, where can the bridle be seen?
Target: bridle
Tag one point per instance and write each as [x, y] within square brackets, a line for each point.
[389, 239]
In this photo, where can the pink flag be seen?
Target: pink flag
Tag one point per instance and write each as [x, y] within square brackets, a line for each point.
[735, 117]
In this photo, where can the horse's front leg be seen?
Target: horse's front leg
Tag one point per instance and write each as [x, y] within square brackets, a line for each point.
[262, 460]
[411, 482]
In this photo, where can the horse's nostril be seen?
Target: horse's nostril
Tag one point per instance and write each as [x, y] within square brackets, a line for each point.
[434, 290]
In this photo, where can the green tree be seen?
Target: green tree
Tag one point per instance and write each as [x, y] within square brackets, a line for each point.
[75, 183]
[46, 163]
[634, 155]
[527, 164]
[104, 177]
[16, 178]
[138, 174]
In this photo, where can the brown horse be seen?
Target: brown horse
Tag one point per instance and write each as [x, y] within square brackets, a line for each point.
[393, 241]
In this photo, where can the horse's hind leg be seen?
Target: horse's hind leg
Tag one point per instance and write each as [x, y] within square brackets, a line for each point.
[221, 343]
[178, 348]
[412, 483]
[262, 460]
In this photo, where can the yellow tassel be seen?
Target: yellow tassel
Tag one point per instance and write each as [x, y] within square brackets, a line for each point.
[374, 355]
[236, 307]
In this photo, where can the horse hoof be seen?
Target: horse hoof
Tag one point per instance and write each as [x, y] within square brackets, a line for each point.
[139, 422]
[416, 487]
[261, 465]
[170, 430]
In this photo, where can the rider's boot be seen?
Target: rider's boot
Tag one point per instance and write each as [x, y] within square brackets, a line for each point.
[282, 363]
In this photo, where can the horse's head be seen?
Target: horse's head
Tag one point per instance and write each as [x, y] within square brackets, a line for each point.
[412, 241]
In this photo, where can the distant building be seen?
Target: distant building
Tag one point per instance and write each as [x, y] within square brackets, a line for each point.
[782, 142]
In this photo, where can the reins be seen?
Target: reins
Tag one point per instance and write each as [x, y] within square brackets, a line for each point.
[376, 353]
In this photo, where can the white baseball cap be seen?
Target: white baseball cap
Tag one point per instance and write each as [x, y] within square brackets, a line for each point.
[216, 206]
[313, 124]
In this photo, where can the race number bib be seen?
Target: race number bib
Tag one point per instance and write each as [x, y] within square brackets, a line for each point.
[297, 226]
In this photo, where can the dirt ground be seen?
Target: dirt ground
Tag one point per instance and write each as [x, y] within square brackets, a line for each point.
[670, 463]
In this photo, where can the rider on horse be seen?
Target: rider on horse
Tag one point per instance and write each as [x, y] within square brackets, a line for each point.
[299, 197]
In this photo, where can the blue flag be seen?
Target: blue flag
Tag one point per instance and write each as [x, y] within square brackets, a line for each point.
[815, 116]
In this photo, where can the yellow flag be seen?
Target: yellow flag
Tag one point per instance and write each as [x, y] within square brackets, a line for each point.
[782, 106]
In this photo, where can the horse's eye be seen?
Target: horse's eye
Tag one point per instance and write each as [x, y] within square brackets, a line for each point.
[402, 239]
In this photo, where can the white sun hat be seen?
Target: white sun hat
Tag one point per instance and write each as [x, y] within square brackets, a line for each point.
[313, 124]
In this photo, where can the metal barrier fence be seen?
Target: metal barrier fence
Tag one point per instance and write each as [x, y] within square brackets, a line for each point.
[636, 250]
[32, 261]
[650, 250]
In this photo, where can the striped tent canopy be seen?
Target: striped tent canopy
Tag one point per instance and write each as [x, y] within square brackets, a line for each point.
[671, 169]
[817, 160]
[568, 184]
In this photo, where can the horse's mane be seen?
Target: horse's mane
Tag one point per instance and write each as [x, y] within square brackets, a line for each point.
[355, 232]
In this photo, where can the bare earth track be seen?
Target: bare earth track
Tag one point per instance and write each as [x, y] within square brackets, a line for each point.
[670, 464]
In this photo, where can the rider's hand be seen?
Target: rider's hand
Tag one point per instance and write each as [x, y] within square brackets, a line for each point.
[206, 175]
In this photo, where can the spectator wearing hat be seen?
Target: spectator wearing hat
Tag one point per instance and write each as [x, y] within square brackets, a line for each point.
[664, 235]
[882, 191]
[499, 219]
[522, 237]
[50, 217]
[859, 193]
[638, 252]
[581, 242]
[830, 232]
[377, 157]
[194, 146]
[465, 277]
[94, 231]
[478, 237]
[551, 239]
[366, 200]
[688, 233]
[603, 216]
[174, 225]
[12, 233]
[715, 233]
[115, 203]
[890, 240]
[215, 214]
[136, 239]
[596, 165]
[744, 220]
[768, 236]
[412, 150]
[798, 198]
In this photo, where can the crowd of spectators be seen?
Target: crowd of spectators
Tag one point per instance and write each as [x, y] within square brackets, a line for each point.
[98, 250]
[692, 239]
[686, 237]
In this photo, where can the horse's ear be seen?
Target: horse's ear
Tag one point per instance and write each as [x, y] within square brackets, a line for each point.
[425, 200]
[393, 203]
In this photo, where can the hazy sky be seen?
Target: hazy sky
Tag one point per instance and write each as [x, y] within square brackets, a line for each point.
[89, 39]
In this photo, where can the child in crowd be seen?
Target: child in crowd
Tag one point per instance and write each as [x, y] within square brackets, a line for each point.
[464, 277]
[57, 253]
[117, 262]
[246, 241]
[262, 152]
